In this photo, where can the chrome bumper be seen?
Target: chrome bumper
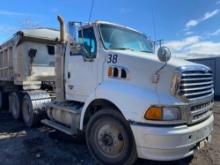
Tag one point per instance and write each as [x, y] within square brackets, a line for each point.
[171, 143]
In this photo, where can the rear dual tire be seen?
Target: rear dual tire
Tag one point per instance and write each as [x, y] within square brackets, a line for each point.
[15, 100]
[21, 107]
[29, 114]
[1, 100]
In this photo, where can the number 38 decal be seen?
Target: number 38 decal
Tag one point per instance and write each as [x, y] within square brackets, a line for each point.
[112, 58]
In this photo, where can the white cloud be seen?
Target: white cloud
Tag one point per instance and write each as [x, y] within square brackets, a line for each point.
[6, 32]
[180, 44]
[194, 47]
[55, 10]
[29, 23]
[191, 23]
[5, 29]
[206, 16]
[11, 13]
[210, 14]
[189, 33]
[218, 2]
[125, 10]
[215, 33]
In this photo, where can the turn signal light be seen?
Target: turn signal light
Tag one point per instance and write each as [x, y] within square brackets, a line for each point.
[110, 72]
[153, 113]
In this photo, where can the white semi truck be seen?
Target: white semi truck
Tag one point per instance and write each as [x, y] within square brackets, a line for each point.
[128, 102]
[27, 75]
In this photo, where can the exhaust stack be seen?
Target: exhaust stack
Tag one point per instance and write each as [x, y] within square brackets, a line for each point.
[59, 62]
[62, 28]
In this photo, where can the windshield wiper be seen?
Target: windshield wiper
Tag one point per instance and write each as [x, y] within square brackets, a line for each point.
[122, 49]
[145, 51]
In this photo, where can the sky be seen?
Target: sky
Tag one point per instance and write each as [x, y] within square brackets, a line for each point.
[190, 28]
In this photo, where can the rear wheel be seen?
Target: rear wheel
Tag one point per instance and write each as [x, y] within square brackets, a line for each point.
[1, 100]
[29, 115]
[109, 138]
[15, 105]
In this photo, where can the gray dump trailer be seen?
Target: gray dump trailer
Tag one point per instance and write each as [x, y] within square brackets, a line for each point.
[27, 63]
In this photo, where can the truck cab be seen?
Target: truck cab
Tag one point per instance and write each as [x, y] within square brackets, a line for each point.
[111, 86]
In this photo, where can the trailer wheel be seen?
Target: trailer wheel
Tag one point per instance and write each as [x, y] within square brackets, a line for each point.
[29, 115]
[15, 105]
[109, 138]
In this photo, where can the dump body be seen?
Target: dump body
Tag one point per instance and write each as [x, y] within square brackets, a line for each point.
[27, 71]
[28, 58]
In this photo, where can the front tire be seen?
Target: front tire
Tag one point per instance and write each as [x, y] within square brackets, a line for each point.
[110, 139]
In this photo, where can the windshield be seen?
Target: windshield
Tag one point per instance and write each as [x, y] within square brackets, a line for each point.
[121, 38]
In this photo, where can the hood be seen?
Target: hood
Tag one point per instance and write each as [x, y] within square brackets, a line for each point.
[174, 61]
[142, 67]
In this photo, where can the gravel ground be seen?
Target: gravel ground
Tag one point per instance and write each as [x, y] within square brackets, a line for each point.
[45, 146]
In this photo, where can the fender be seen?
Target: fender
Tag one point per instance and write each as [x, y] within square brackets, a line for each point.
[131, 100]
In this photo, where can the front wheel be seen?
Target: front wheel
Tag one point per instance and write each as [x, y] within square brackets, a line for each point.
[109, 138]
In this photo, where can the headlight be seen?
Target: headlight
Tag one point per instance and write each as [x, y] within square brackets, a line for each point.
[171, 114]
[162, 113]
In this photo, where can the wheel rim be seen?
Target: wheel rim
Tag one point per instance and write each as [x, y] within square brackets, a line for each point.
[26, 108]
[15, 106]
[110, 139]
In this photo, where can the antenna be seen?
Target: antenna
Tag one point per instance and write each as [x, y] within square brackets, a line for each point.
[154, 25]
[154, 29]
[91, 10]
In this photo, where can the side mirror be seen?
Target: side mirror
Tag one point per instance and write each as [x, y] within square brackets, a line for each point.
[164, 54]
[73, 30]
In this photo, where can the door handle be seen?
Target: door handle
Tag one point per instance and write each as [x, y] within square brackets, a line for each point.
[68, 75]
[70, 87]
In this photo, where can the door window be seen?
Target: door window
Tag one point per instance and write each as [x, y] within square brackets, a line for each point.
[88, 40]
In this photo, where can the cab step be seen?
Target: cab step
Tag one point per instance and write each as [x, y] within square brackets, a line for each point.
[58, 126]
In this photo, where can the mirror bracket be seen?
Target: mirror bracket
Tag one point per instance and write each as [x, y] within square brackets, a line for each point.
[164, 56]
[77, 49]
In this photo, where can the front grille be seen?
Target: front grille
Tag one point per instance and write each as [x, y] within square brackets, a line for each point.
[195, 84]
[201, 112]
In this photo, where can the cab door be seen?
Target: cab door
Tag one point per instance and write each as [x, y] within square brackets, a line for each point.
[80, 71]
